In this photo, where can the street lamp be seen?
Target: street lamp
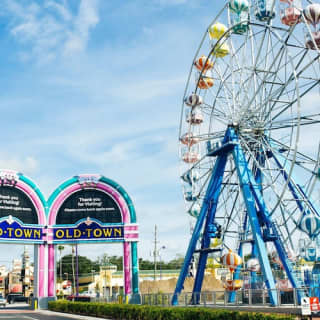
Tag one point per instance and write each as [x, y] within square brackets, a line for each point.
[93, 286]
[163, 247]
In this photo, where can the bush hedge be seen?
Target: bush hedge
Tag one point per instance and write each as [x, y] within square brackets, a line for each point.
[137, 312]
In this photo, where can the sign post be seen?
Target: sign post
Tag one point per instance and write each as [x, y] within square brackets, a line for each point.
[305, 306]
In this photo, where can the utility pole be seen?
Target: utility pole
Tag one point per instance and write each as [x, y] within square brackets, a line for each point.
[73, 277]
[77, 271]
[155, 252]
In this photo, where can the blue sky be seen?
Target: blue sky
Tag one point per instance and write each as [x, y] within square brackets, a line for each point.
[95, 86]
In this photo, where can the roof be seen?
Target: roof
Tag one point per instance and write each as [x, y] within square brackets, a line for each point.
[151, 272]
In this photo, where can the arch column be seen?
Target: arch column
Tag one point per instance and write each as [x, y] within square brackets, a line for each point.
[127, 267]
[51, 271]
[40, 274]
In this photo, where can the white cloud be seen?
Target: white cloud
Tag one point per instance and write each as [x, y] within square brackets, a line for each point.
[51, 28]
[86, 19]
[27, 165]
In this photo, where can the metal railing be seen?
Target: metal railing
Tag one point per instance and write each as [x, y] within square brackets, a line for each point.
[250, 297]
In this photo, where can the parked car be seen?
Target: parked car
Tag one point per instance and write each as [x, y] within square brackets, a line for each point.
[16, 297]
[3, 301]
[79, 298]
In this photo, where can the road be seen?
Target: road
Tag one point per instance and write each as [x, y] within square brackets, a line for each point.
[21, 311]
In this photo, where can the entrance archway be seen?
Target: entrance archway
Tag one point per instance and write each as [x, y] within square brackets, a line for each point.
[92, 209]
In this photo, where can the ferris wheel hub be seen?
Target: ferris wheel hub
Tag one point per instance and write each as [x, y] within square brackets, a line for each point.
[234, 125]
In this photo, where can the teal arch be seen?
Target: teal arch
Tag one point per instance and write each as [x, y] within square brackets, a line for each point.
[36, 189]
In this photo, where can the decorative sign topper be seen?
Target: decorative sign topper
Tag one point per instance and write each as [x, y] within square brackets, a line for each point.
[88, 230]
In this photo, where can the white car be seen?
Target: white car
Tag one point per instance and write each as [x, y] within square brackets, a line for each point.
[3, 301]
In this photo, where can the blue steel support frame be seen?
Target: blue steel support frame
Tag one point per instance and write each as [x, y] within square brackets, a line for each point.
[249, 187]
[252, 194]
[212, 196]
[205, 244]
[259, 179]
[236, 274]
[290, 184]
[272, 231]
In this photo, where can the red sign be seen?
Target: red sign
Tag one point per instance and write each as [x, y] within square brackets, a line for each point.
[314, 304]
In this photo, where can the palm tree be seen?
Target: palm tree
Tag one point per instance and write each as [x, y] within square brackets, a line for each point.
[60, 248]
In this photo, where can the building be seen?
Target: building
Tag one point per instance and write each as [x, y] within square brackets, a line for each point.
[20, 278]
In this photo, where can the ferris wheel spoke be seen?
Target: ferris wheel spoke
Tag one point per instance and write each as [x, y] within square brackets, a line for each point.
[283, 147]
[314, 84]
[289, 80]
[267, 73]
[302, 94]
[268, 172]
[229, 218]
[297, 161]
[298, 195]
[292, 122]
[225, 88]
[240, 71]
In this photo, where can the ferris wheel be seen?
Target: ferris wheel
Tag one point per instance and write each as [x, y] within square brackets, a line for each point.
[249, 137]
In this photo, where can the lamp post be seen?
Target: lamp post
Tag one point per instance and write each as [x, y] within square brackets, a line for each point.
[77, 271]
[93, 282]
[159, 254]
[65, 274]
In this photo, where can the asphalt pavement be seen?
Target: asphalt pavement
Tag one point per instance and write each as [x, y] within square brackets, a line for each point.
[21, 311]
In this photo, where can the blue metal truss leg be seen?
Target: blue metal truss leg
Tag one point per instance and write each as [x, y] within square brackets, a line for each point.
[236, 274]
[205, 243]
[212, 195]
[275, 235]
[295, 191]
[247, 181]
[260, 157]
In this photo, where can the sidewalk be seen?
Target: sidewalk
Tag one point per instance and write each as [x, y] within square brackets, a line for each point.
[72, 316]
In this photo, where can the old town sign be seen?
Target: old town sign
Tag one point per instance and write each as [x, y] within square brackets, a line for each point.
[88, 209]
[15, 230]
[89, 230]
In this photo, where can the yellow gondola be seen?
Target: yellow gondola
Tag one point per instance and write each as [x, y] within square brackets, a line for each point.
[221, 50]
[217, 30]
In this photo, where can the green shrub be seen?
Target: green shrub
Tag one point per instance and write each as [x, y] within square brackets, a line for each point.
[137, 312]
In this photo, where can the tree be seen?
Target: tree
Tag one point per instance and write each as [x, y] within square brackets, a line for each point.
[115, 260]
[85, 265]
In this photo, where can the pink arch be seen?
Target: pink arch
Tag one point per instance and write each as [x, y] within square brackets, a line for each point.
[125, 219]
[35, 200]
